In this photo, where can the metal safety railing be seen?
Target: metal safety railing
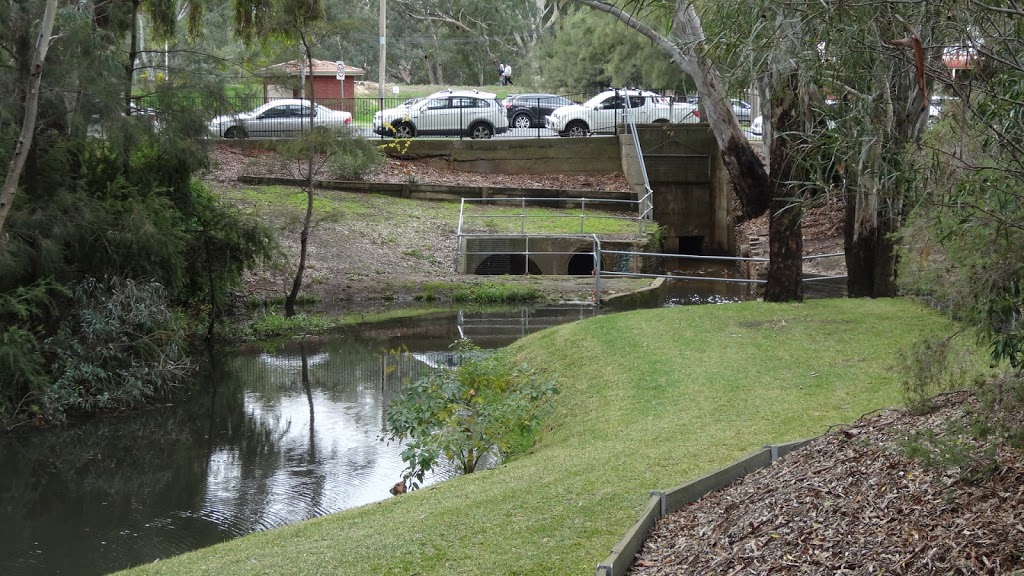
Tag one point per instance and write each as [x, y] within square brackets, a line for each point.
[739, 259]
[534, 222]
[646, 200]
[586, 215]
[598, 254]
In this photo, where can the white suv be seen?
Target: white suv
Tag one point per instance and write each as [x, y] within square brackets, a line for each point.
[603, 112]
[445, 113]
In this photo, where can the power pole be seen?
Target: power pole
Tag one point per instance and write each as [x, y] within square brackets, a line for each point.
[382, 65]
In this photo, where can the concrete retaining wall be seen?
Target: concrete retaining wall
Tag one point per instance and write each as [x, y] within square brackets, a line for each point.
[571, 156]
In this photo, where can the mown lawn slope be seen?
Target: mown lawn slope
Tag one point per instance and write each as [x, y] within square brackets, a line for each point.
[649, 400]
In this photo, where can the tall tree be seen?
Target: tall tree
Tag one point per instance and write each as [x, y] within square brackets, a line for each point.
[872, 58]
[284, 20]
[686, 47]
[30, 110]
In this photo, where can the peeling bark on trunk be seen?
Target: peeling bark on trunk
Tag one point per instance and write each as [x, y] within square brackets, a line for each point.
[28, 124]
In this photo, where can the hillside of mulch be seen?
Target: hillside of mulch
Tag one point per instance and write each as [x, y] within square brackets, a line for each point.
[854, 502]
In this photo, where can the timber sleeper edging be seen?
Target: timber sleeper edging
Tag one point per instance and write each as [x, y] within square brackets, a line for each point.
[662, 503]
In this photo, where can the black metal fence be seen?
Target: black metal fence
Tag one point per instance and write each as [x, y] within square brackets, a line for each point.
[256, 116]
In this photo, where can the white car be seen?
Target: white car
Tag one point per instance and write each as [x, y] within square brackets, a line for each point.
[278, 118]
[602, 113]
[757, 126]
[446, 113]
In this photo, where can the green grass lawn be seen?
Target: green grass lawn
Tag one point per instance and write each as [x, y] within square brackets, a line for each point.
[649, 399]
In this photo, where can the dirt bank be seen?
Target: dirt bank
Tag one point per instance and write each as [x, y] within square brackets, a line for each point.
[385, 258]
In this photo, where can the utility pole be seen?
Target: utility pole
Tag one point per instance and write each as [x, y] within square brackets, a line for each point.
[382, 64]
[302, 72]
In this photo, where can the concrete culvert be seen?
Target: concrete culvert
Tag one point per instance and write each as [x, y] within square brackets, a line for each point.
[511, 264]
[581, 264]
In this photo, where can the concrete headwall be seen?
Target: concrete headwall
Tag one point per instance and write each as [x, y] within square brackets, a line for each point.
[692, 193]
[559, 256]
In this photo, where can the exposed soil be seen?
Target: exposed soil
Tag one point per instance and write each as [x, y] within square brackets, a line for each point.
[365, 264]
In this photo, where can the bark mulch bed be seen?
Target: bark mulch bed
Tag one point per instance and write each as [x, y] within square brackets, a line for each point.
[853, 502]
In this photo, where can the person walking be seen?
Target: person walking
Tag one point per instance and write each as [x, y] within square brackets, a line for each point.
[508, 75]
[501, 74]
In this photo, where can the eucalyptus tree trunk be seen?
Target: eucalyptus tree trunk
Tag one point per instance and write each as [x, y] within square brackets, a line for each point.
[785, 237]
[31, 110]
[747, 172]
[875, 209]
[789, 118]
[133, 56]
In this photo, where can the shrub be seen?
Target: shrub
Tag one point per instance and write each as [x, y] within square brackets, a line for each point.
[348, 156]
[483, 407]
[118, 348]
[23, 368]
[931, 367]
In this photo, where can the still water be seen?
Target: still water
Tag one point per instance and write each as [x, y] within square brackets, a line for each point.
[269, 438]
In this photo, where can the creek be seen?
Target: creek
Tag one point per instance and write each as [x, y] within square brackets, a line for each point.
[265, 438]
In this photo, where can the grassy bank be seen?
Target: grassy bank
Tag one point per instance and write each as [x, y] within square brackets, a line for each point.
[649, 399]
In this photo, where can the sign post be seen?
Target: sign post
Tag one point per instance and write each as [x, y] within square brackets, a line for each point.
[341, 77]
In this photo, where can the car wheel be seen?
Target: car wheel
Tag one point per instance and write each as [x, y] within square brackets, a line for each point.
[480, 131]
[577, 129]
[235, 132]
[521, 121]
[404, 130]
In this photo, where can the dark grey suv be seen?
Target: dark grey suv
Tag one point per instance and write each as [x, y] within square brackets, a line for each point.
[529, 110]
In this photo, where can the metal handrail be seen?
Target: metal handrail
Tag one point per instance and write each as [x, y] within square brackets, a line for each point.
[646, 204]
[582, 215]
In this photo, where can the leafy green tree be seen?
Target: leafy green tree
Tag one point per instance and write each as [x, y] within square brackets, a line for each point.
[589, 51]
[963, 245]
[303, 21]
[483, 407]
[104, 194]
[463, 41]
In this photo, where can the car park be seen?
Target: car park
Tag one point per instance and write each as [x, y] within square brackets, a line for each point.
[278, 118]
[529, 110]
[604, 112]
[446, 113]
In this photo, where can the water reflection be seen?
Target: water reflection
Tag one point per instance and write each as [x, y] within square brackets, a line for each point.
[269, 438]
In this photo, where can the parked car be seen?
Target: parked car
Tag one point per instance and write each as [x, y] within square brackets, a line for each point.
[602, 113]
[757, 126]
[279, 118]
[529, 110]
[446, 113]
[740, 108]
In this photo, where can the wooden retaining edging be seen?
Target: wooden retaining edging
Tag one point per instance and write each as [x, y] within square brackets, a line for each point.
[662, 503]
